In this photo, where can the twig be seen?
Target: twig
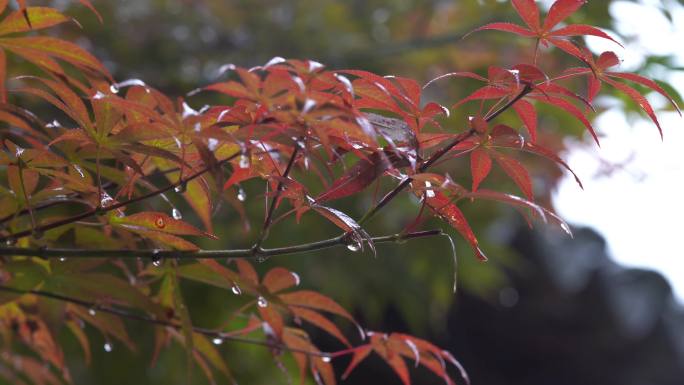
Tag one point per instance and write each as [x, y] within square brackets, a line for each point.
[100, 210]
[224, 336]
[207, 254]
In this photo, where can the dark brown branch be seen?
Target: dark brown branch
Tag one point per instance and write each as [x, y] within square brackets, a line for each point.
[223, 336]
[207, 254]
[100, 210]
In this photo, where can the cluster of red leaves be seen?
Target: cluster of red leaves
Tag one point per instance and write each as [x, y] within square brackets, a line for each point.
[123, 145]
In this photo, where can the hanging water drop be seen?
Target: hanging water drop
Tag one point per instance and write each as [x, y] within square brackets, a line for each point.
[217, 341]
[107, 347]
[92, 312]
[326, 359]
[176, 214]
[430, 193]
[54, 124]
[296, 278]
[241, 195]
[236, 289]
[244, 161]
[260, 259]
[566, 228]
[181, 187]
[99, 95]
[62, 259]
[353, 244]
[114, 88]
[261, 302]
[79, 170]
[10, 241]
[156, 259]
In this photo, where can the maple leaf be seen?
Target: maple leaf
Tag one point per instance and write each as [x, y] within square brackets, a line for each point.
[598, 73]
[545, 32]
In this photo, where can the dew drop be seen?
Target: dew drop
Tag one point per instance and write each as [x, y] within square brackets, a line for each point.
[160, 222]
[99, 95]
[241, 195]
[429, 192]
[188, 111]
[107, 347]
[353, 245]
[296, 278]
[261, 302]
[54, 124]
[314, 66]
[217, 341]
[176, 214]
[521, 141]
[212, 144]
[114, 88]
[181, 188]
[79, 170]
[244, 161]
[260, 259]
[362, 332]
[10, 241]
[92, 312]
[62, 259]
[566, 228]
[309, 104]
[236, 289]
[326, 359]
[156, 259]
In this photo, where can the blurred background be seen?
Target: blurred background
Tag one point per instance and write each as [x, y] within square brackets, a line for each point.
[546, 308]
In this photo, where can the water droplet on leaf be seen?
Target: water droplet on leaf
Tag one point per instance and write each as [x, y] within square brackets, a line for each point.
[241, 195]
[79, 170]
[296, 278]
[353, 245]
[181, 188]
[261, 302]
[176, 214]
[244, 161]
[236, 289]
[92, 312]
[156, 260]
[217, 341]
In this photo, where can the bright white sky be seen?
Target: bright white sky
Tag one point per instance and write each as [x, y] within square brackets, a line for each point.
[639, 208]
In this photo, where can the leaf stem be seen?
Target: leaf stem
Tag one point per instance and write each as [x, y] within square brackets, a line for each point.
[274, 203]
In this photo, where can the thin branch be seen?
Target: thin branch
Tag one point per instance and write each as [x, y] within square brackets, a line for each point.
[437, 155]
[100, 210]
[206, 254]
[269, 216]
[223, 336]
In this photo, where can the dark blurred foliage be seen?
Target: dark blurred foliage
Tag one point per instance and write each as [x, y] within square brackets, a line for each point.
[545, 309]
